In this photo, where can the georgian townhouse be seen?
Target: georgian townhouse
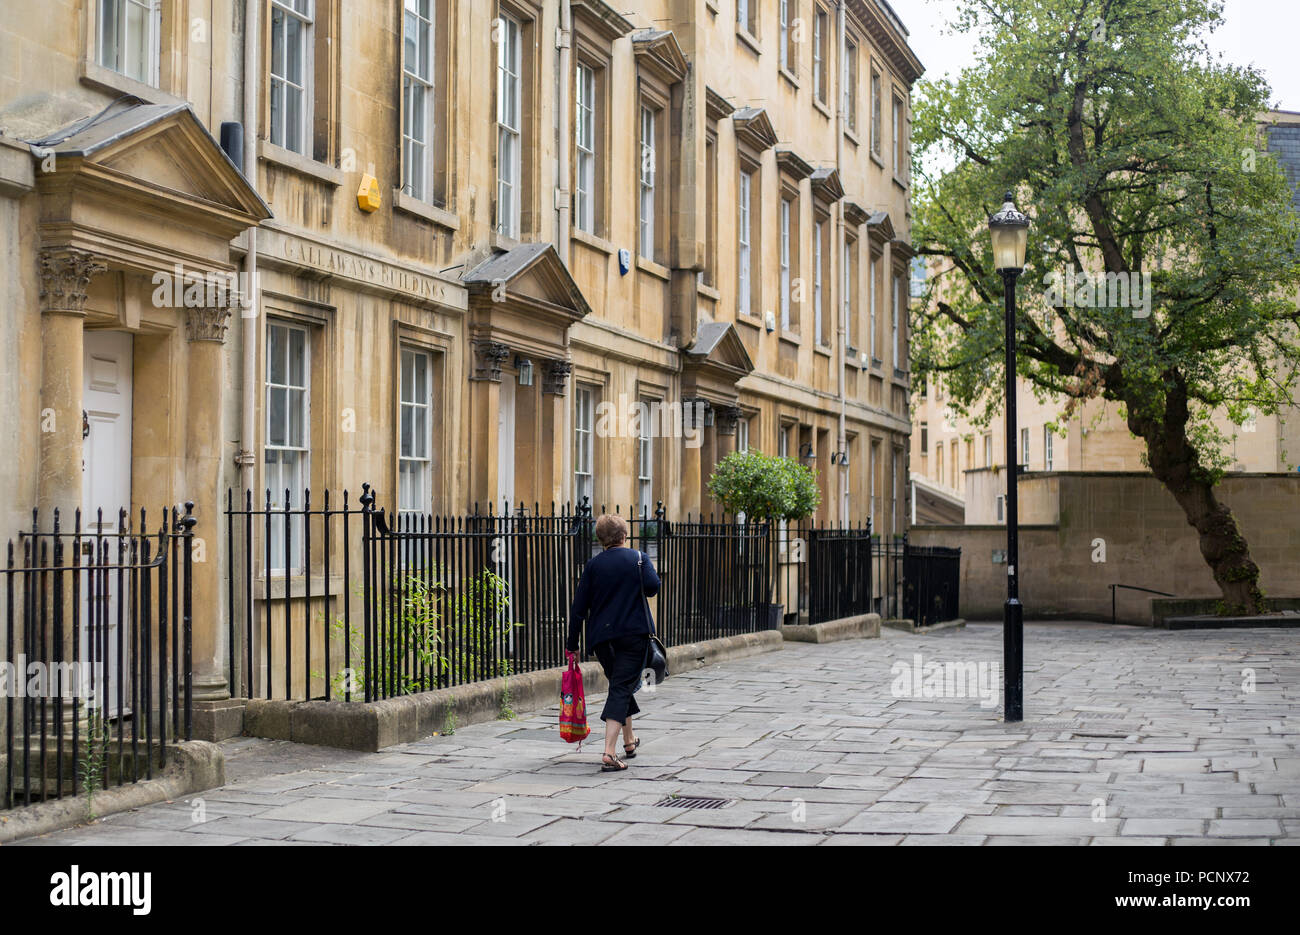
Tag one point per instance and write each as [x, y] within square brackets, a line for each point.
[441, 247]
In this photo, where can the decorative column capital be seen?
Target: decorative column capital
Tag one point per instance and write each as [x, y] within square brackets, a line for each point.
[207, 323]
[695, 412]
[727, 418]
[65, 274]
[488, 357]
[555, 376]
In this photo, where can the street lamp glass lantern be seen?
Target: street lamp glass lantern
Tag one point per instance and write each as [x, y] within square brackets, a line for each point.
[1009, 230]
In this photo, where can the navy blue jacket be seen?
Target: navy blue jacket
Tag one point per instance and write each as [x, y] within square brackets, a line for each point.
[609, 597]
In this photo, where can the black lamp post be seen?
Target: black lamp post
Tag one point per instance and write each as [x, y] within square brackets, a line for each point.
[1009, 230]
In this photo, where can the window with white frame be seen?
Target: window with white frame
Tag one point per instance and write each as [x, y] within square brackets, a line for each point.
[875, 112]
[894, 492]
[747, 16]
[988, 450]
[851, 84]
[585, 143]
[742, 434]
[509, 127]
[850, 271]
[785, 264]
[1047, 448]
[647, 173]
[744, 234]
[871, 306]
[899, 142]
[415, 426]
[785, 44]
[783, 442]
[821, 26]
[645, 461]
[1024, 447]
[898, 311]
[417, 97]
[871, 481]
[129, 33]
[287, 450]
[583, 444]
[1001, 517]
[291, 69]
[817, 281]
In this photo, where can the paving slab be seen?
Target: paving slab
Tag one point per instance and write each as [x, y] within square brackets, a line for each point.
[811, 746]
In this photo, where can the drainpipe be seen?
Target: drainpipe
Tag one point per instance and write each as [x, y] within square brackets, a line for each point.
[249, 316]
[564, 42]
[843, 315]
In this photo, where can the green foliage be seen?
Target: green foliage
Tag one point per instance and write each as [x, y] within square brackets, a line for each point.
[507, 712]
[1133, 151]
[93, 765]
[424, 617]
[764, 487]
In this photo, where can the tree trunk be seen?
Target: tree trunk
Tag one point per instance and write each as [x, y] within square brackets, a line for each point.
[1174, 461]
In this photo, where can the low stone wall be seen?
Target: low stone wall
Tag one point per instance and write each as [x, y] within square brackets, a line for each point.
[192, 766]
[1132, 522]
[373, 725]
[863, 626]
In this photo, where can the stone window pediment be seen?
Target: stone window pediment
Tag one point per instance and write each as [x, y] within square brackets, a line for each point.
[158, 153]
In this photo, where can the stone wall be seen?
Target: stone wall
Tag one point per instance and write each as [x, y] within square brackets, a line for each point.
[1144, 539]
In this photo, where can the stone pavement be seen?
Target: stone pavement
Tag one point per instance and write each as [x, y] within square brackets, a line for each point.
[1132, 736]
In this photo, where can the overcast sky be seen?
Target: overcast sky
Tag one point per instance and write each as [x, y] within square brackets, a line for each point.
[1259, 32]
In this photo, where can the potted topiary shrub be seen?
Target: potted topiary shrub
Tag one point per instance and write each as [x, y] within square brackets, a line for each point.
[767, 489]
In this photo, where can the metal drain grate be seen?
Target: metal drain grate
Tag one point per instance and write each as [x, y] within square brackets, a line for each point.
[691, 801]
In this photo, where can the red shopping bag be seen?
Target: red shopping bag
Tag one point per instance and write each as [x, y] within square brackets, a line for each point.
[573, 705]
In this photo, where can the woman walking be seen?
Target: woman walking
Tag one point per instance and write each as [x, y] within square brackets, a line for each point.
[611, 599]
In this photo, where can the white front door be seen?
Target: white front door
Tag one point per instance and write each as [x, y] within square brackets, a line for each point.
[106, 489]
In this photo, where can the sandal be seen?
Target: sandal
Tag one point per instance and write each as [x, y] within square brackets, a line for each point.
[617, 766]
[629, 750]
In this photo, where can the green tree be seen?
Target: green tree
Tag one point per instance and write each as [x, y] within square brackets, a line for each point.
[766, 488]
[1133, 150]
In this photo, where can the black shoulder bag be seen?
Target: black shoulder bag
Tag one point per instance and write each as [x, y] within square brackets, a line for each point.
[656, 656]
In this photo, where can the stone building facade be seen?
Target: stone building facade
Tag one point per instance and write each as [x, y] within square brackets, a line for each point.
[447, 248]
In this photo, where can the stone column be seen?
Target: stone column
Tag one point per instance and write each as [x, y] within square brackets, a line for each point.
[555, 385]
[693, 410]
[485, 406]
[65, 275]
[205, 332]
[726, 419]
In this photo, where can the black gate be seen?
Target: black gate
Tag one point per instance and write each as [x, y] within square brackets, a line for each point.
[931, 581]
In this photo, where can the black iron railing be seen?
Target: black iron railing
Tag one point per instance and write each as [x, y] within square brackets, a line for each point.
[353, 602]
[837, 574]
[887, 575]
[932, 577]
[97, 652]
[715, 579]
[293, 594]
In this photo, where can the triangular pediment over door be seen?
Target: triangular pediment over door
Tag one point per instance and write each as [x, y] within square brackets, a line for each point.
[525, 298]
[145, 187]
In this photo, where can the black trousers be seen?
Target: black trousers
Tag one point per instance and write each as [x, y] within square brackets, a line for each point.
[623, 659]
